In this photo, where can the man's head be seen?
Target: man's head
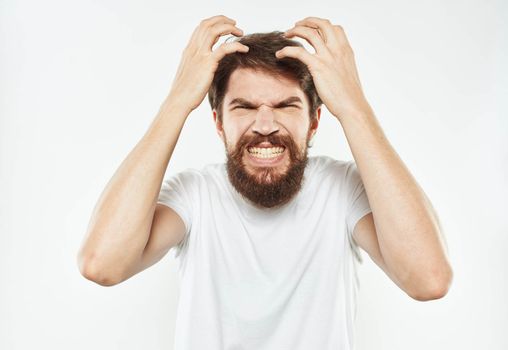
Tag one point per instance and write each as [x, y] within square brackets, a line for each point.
[270, 103]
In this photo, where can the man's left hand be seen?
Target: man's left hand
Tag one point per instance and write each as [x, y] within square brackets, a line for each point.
[332, 67]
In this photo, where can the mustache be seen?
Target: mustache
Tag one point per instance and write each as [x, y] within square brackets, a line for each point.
[276, 140]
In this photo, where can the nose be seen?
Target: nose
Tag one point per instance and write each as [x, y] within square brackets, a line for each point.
[265, 123]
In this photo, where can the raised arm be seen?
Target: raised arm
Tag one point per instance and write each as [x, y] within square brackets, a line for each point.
[128, 231]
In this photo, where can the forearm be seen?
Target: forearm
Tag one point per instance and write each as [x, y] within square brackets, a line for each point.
[407, 226]
[121, 220]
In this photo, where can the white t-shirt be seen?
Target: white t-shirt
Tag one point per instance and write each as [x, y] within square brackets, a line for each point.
[267, 279]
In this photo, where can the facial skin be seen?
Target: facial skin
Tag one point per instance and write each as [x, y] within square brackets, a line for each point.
[262, 117]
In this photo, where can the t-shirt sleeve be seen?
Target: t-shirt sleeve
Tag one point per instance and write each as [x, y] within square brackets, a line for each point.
[358, 203]
[176, 192]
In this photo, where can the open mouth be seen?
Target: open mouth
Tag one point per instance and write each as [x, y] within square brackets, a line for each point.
[266, 154]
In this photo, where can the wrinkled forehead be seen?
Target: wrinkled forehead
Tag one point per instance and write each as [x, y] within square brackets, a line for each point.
[261, 87]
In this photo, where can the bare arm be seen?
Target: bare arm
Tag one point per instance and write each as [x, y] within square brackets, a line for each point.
[403, 234]
[120, 224]
[124, 236]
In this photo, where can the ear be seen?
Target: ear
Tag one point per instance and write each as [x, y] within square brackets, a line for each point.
[315, 122]
[218, 125]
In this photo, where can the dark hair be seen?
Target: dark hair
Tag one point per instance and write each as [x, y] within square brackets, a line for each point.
[261, 56]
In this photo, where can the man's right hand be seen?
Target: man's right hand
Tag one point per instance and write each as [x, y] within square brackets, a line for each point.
[199, 63]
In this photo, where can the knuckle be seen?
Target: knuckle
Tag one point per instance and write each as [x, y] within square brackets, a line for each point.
[346, 47]
[224, 18]
[309, 30]
[346, 51]
[224, 29]
[221, 27]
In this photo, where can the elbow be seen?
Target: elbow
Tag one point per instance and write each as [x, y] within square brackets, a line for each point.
[432, 294]
[435, 287]
[93, 272]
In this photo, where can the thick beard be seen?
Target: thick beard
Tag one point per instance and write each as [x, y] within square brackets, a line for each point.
[267, 188]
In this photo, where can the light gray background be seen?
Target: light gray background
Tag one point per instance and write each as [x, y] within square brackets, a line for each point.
[81, 81]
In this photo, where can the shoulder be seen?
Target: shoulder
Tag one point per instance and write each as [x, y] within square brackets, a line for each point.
[327, 166]
[207, 174]
[186, 175]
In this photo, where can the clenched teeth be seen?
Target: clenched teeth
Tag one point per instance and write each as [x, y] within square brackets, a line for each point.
[265, 152]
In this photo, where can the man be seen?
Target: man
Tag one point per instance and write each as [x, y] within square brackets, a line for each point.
[267, 243]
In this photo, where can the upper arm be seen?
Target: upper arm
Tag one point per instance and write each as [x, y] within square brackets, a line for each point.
[167, 231]
[365, 236]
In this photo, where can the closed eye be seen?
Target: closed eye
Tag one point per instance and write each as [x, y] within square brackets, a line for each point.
[245, 107]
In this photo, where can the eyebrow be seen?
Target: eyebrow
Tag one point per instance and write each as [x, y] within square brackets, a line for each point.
[247, 103]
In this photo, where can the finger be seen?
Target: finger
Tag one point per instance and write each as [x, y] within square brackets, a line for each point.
[201, 30]
[341, 35]
[324, 26]
[296, 52]
[309, 34]
[214, 33]
[207, 22]
[227, 48]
